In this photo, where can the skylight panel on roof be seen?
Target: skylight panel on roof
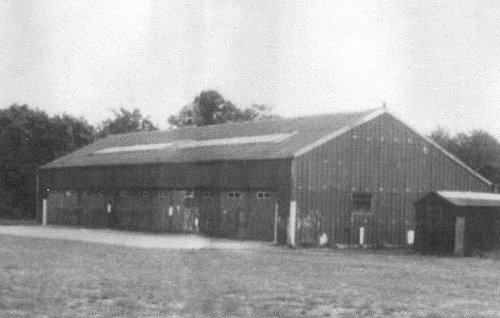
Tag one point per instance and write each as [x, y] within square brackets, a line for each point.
[184, 144]
[133, 148]
[275, 138]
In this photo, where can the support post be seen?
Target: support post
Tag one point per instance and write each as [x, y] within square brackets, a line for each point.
[276, 224]
[459, 236]
[37, 196]
[44, 212]
[292, 219]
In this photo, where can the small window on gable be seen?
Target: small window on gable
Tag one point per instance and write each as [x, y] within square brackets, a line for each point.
[235, 194]
[188, 194]
[362, 200]
[144, 194]
[263, 194]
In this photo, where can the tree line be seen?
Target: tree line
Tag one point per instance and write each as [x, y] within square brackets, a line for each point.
[30, 138]
[478, 149]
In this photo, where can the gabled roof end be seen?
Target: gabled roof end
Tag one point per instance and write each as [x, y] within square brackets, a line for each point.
[370, 116]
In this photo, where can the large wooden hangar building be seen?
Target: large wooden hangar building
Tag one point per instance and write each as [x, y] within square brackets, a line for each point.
[338, 179]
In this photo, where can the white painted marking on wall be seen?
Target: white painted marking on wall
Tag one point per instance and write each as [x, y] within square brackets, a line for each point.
[292, 219]
[410, 237]
[108, 208]
[323, 239]
[170, 210]
[361, 235]
[44, 212]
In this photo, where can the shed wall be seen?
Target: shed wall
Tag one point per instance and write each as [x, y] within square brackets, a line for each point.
[384, 158]
[435, 228]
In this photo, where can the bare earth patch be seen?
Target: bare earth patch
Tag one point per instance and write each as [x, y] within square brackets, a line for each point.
[127, 238]
[60, 278]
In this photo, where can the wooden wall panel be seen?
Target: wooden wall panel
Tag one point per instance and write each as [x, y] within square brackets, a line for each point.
[249, 174]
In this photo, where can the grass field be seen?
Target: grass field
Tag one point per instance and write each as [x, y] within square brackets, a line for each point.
[43, 277]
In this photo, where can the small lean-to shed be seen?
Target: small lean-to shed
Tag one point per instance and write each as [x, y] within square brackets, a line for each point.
[459, 223]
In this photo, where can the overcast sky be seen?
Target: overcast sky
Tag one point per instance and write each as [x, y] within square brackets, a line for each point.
[432, 62]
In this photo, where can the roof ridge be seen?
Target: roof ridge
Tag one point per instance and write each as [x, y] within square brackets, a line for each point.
[213, 126]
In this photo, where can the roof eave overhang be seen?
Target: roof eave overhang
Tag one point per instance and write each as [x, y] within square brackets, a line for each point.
[48, 167]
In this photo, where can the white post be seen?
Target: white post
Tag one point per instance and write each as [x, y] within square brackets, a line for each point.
[292, 219]
[276, 224]
[44, 212]
[361, 235]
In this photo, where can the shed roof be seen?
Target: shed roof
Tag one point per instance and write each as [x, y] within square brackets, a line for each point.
[272, 139]
[472, 199]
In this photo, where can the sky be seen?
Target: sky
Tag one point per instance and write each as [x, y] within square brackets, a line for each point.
[434, 63]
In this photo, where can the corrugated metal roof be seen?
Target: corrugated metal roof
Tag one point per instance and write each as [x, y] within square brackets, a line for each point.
[301, 133]
[458, 198]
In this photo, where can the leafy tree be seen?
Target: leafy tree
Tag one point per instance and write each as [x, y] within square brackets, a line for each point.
[445, 140]
[478, 149]
[30, 138]
[210, 108]
[125, 122]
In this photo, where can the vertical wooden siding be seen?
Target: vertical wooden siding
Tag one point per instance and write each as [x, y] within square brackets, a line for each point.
[273, 175]
[383, 157]
[235, 175]
[246, 216]
[139, 211]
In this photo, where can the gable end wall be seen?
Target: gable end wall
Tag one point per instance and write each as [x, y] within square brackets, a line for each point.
[383, 157]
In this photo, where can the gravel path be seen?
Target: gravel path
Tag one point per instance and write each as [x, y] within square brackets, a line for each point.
[133, 239]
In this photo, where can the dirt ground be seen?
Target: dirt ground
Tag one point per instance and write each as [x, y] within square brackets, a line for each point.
[41, 277]
[132, 239]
